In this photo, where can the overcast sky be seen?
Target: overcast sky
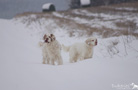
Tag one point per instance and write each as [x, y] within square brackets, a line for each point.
[9, 8]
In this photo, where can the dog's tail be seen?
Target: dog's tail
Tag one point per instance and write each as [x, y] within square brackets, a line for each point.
[65, 48]
[40, 44]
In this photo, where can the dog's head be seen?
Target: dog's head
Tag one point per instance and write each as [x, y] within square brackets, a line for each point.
[91, 41]
[47, 39]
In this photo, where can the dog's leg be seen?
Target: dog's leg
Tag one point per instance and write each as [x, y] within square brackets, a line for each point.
[52, 61]
[48, 61]
[47, 58]
[81, 58]
[71, 60]
[44, 59]
[60, 61]
[75, 58]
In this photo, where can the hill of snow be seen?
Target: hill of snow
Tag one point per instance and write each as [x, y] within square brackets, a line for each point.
[113, 66]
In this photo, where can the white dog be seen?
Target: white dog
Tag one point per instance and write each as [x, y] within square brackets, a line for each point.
[51, 50]
[81, 50]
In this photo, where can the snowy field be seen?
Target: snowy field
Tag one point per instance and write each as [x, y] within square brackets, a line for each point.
[113, 66]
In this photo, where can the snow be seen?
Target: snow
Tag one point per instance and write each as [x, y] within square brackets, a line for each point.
[108, 19]
[85, 2]
[46, 6]
[21, 65]
[57, 14]
[127, 8]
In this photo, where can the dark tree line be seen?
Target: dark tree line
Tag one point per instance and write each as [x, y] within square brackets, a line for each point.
[76, 3]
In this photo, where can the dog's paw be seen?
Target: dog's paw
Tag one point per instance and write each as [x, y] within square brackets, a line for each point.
[43, 62]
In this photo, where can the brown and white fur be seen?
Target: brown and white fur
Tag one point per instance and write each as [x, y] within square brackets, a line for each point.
[51, 50]
[81, 50]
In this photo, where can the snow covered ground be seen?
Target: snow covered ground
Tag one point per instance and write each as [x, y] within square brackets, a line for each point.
[113, 66]
[21, 67]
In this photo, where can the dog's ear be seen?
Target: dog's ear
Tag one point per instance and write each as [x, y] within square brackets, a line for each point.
[87, 41]
[53, 37]
[45, 36]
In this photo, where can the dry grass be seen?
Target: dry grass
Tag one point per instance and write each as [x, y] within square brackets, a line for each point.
[127, 25]
[124, 28]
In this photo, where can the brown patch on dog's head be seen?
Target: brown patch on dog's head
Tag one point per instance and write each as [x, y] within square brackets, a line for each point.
[52, 36]
[45, 37]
